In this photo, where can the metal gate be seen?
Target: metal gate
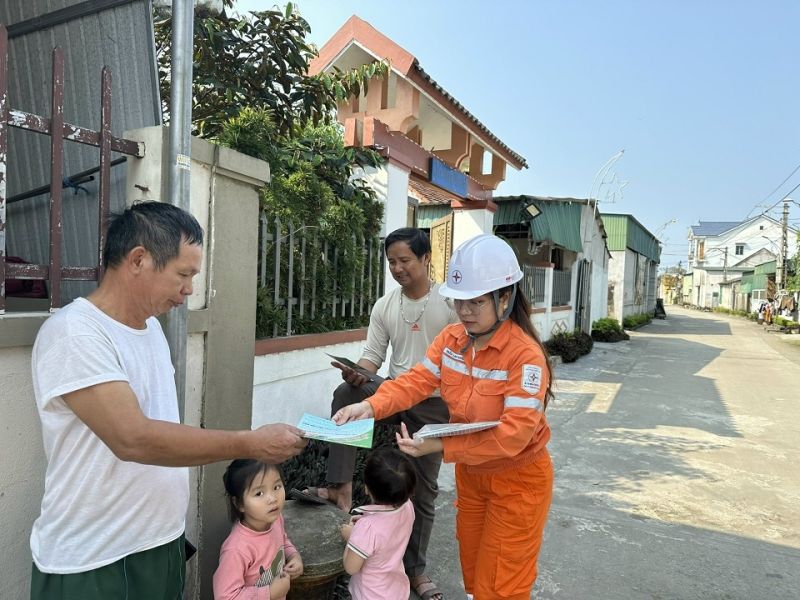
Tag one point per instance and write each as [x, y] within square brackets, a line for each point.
[583, 302]
[58, 130]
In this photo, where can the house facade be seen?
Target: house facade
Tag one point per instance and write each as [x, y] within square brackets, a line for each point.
[721, 251]
[635, 256]
[562, 250]
[432, 144]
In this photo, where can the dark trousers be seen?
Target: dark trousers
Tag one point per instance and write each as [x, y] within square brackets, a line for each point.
[342, 461]
[155, 574]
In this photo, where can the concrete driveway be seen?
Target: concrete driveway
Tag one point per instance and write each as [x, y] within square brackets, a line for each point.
[677, 459]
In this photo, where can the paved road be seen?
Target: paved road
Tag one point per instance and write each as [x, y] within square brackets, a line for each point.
[677, 472]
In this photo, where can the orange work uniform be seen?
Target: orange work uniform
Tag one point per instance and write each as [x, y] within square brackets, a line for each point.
[504, 477]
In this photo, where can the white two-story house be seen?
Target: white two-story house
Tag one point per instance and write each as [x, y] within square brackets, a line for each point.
[720, 251]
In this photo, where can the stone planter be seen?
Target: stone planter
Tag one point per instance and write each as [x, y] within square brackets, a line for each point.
[314, 530]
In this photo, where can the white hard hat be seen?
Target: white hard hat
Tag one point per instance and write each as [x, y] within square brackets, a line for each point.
[480, 265]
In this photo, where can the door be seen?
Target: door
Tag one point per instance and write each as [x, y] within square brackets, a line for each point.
[441, 247]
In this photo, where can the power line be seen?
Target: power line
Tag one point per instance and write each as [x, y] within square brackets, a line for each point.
[797, 168]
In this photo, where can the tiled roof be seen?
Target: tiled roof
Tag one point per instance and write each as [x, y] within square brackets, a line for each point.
[427, 193]
[714, 227]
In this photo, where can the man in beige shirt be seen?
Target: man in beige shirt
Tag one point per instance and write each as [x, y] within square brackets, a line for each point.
[407, 318]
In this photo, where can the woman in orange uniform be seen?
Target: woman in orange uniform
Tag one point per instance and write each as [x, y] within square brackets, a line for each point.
[490, 367]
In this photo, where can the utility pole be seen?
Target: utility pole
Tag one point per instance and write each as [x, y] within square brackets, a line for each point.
[781, 270]
[725, 266]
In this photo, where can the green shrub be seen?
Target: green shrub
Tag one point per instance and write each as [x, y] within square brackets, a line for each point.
[634, 321]
[786, 323]
[569, 346]
[608, 330]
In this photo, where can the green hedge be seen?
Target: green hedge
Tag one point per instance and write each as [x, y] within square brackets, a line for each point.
[786, 323]
[608, 330]
[729, 311]
[634, 321]
[569, 346]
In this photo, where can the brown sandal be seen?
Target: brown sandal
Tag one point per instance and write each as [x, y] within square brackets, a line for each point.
[426, 589]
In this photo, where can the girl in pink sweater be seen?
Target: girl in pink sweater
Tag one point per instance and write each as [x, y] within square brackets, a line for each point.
[377, 538]
[257, 561]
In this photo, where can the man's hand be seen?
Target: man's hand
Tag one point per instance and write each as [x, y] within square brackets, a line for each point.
[353, 412]
[294, 566]
[350, 375]
[412, 447]
[277, 442]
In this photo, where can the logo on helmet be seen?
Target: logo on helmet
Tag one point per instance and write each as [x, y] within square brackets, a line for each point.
[456, 277]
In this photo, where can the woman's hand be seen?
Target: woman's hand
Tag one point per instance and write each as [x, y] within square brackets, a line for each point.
[353, 412]
[294, 566]
[412, 447]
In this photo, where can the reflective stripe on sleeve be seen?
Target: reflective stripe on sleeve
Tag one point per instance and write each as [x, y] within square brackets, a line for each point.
[428, 364]
[517, 402]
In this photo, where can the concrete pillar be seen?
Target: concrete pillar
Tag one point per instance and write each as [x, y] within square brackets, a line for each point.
[548, 299]
[390, 182]
[467, 223]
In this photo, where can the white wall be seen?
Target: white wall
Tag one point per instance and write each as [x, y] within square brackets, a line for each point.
[762, 233]
[616, 278]
[469, 223]
[287, 384]
[22, 470]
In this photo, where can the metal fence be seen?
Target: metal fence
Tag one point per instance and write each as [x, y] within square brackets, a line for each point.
[533, 283]
[58, 130]
[310, 285]
[562, 287]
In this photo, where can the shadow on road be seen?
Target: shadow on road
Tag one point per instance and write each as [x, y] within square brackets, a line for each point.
[619, 556]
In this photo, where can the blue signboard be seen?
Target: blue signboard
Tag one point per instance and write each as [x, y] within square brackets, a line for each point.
[448, 178]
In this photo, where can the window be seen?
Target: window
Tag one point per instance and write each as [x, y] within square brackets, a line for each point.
[739, 249]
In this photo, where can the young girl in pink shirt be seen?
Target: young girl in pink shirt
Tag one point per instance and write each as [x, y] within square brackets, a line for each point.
[378, 536]
[257, 560]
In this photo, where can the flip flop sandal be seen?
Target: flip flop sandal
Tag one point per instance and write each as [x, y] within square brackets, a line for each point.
[309, 496]
[426, 589]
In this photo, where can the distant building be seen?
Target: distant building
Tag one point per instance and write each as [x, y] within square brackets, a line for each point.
[721, 251]
[635, 256]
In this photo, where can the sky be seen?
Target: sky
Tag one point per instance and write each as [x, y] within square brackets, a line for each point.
[703, 96]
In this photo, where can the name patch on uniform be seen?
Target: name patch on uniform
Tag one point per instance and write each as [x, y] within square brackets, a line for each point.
[531, 378]
[453, 355]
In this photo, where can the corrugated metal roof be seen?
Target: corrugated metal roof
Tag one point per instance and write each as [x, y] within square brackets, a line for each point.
[706, 228]
[767, 268]
[559, 221]
[624, 231]
[428, 213]
[747, 284]
[121, 38]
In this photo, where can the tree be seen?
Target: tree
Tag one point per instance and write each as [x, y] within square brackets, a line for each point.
[259, 60]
